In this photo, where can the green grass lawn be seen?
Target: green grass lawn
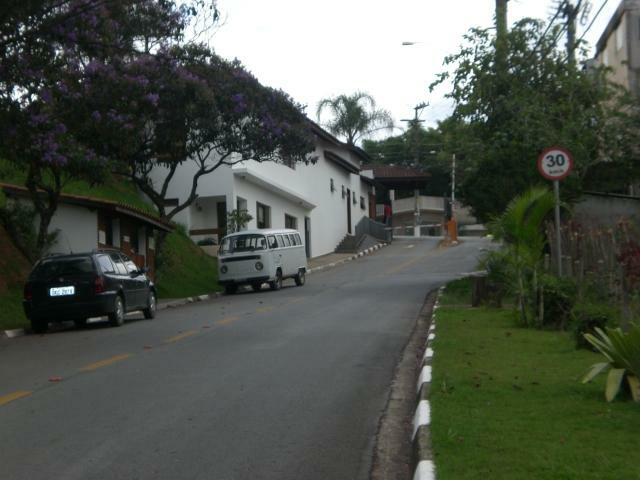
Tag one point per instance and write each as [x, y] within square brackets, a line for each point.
[11, 313]
[507, 403]
[185, 270]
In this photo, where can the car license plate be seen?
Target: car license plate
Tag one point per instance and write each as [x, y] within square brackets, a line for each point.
[61, 291]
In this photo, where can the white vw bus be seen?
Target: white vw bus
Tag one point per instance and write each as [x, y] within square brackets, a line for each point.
[253, 257]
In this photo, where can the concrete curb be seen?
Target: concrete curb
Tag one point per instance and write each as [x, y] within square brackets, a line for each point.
[355, 256]
[420, 437]
[20, 332]
[184, 301]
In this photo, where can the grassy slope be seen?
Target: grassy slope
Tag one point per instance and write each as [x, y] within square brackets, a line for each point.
[185, 270]
[114, 189]
[14, 269]
[507, 404]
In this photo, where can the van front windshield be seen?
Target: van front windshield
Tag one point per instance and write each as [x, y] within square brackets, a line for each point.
[243, 243]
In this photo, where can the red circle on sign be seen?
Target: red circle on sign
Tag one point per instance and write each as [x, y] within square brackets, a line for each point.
[553, 169]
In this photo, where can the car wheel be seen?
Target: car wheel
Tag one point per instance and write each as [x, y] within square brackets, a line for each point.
[150, 311]
[300, 278]
[116, 318]
[39, 325]
[80, 322]
[277, 283]
[230, 289]
[256, 287]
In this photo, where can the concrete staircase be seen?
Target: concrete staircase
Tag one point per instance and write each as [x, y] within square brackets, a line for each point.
[351, 244]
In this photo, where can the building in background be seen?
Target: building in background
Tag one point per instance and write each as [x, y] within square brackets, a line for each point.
[324, 201]
[619, 46]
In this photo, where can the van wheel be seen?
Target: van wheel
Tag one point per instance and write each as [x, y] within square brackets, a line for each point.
[230, 289]
[150, 311]
[277, 283]
[116, 318]
[256, 286]
[300, 278]
[39, 325]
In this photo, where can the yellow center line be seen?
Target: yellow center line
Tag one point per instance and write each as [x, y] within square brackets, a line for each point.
[264, 309]
[227, 320]
[105, 363]
[181, 336]
[13, 396]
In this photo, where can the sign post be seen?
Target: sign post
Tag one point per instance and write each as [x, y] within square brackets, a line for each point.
[555, 164]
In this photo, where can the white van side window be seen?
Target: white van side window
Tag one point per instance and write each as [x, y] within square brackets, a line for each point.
[287, 242]
[298, 239]
[292, 237]
[280, 241]
[272, 241]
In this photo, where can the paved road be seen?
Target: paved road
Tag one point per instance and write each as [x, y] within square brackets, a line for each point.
[271, 385]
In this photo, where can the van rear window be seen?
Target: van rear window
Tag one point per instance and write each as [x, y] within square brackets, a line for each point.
[57, 267]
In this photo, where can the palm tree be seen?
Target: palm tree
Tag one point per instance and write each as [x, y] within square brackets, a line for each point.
[354, 116]
[520, 228]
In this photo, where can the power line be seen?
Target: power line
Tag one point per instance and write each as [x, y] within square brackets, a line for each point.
[555, 17]
[593, 21]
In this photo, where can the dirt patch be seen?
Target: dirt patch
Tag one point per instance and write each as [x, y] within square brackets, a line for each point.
[393, 457]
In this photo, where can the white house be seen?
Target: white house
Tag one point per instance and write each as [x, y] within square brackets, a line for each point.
[324, 201]
[86, 223]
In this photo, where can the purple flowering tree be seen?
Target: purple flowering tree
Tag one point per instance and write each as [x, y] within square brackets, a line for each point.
[48, 50]
[186, 105]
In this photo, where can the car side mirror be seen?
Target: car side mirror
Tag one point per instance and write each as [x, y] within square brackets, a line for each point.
[144, 270]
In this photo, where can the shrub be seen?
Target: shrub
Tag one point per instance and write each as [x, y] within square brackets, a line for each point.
[499, 276]
[585, 317]
[207, 241]
[559, 296]
[622, 351]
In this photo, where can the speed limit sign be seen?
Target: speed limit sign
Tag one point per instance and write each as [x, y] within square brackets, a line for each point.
[555, 163]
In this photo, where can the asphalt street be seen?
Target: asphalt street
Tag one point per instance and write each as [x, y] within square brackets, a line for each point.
[271, 385]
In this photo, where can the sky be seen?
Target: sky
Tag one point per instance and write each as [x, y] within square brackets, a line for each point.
[316, 49]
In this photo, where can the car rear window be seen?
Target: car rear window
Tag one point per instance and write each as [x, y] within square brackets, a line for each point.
[56, 267]
[105, 264]
[117, 262]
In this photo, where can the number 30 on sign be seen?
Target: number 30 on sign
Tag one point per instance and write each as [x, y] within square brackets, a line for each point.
[555, 163]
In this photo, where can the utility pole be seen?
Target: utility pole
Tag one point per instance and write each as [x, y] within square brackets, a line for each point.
[415, 123]
[571, 14]
[501, 36]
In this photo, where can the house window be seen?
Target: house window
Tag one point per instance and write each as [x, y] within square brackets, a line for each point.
[263, 212]
[362, 205]
[290, 222]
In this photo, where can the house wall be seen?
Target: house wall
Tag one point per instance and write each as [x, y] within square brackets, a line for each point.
[621, 50]
[310, 182]
[277, 204]
[78, 229]
[598, 211]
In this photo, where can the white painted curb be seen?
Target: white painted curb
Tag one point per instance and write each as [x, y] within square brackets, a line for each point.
[432, 337]
[428, 354]
[422, 417]
[425, 377]
[425, 470]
